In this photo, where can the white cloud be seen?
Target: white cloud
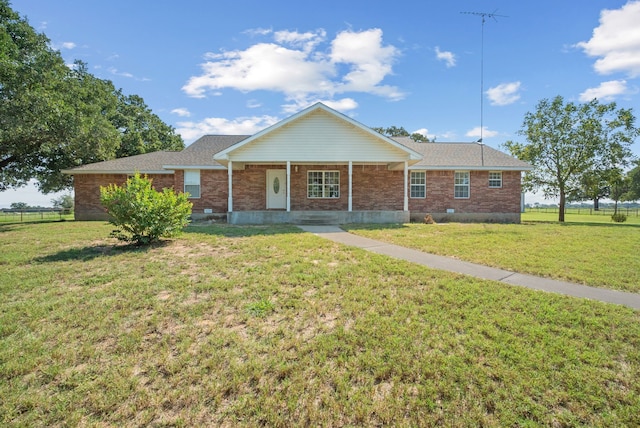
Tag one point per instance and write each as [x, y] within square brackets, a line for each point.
[254, 104]
[448, 57]
[504, 94]
[616, 41]
[425, 132]
[300, 66]
[486, 133]
[307, 41]
[607, 91]
[190, 131]
[68, 45]
[295, 105]
[117, 72]
[182, 112]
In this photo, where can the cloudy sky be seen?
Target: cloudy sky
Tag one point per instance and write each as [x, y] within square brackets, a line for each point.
[236, 67]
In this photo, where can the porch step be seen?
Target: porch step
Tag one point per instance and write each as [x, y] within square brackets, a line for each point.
[318, 219]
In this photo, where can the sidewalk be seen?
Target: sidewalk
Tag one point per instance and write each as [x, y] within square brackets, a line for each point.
[334, 233]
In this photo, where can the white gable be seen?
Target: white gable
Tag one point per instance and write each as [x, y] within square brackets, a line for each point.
[318, 134]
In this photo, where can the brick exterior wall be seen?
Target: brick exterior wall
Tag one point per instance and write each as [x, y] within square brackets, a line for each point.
[482, 199]
[214, 191]
[87, 192]
[374, 188]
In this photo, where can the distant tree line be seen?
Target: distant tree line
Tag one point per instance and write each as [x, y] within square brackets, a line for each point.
[54, 117]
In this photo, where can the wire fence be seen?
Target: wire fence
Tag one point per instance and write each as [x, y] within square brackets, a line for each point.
[629, 212]
[13, 216]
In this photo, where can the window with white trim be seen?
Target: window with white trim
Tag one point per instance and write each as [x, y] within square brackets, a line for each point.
[495, 179]
[192, 182]
[323, 184]
[461, 185]
[418, 188]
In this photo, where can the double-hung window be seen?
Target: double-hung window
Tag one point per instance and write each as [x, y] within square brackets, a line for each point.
[192, 182]
[323, 184]
[495, 179]
[461, 185]
[418, 184]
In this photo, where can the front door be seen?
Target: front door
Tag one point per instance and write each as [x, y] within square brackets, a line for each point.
[276, 189]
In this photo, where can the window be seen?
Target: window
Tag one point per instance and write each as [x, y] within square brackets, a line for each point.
[418, 184]
[192, 183]
[461, 184]
[323, 184]
[495, 179]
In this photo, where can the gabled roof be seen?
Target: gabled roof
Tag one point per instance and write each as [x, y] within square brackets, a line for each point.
[198, 155]
[447, 156]
[409, 154]
[148, 163]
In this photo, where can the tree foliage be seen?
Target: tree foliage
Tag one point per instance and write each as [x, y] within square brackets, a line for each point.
[394, 131]
[634, 183]
[54, 117]
[571, 144]
[143, 215]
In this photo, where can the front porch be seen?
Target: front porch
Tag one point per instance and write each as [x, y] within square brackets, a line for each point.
[317, 217]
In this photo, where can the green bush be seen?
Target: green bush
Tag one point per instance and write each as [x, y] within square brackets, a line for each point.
[619, 218]
[143, 215]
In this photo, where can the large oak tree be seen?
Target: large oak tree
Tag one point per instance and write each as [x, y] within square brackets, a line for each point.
[53, 116]
[567, 143]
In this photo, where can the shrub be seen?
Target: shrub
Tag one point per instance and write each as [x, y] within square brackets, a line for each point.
[143, 215]
[619, 218]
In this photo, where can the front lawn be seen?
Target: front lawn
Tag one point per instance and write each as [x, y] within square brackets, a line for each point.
[597, 254]
[269, 326]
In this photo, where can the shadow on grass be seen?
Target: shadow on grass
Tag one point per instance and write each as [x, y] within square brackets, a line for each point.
[94, 251]
[236, 231]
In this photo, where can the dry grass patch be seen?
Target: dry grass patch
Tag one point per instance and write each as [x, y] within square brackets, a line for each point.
[286, 329]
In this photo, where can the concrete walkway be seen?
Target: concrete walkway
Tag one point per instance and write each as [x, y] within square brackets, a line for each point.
[334, 233]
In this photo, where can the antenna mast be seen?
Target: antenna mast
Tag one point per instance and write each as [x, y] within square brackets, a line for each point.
[484, 16]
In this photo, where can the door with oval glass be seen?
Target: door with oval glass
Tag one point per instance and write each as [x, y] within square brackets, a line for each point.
[276, 189]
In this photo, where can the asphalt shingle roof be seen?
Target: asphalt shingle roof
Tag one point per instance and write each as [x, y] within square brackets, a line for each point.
[461, 155]
[200, 154]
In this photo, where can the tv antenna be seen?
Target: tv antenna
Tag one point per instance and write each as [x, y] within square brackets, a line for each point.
[484, 16]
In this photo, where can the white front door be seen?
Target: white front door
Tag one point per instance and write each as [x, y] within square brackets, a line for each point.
[276, 189]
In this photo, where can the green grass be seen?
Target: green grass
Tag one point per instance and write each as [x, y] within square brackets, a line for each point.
[578, 216]
[592, 253]
[269, 326]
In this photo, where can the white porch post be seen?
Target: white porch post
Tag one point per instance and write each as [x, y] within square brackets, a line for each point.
[406, 182]
[288, 186]
[350, 186]
[230, 173]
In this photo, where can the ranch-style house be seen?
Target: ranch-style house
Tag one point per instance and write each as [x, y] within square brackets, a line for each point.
[320, 166]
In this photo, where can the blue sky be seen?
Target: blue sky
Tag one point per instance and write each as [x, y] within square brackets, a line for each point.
[235, 67]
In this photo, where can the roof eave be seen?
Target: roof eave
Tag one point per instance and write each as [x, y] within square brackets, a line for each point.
[470, 168]
[111, 171]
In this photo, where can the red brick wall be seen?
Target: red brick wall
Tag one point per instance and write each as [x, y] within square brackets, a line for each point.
[482, 199]
[299, 200]
[376, 188]
[87, 192]
[214, 191]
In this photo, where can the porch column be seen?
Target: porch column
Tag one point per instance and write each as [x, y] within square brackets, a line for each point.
[350, 186]
[230, 174]
[288, 186]
[406, 182]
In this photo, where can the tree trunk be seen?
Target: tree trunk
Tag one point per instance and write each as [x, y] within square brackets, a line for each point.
[596, 204]
[561, 207]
